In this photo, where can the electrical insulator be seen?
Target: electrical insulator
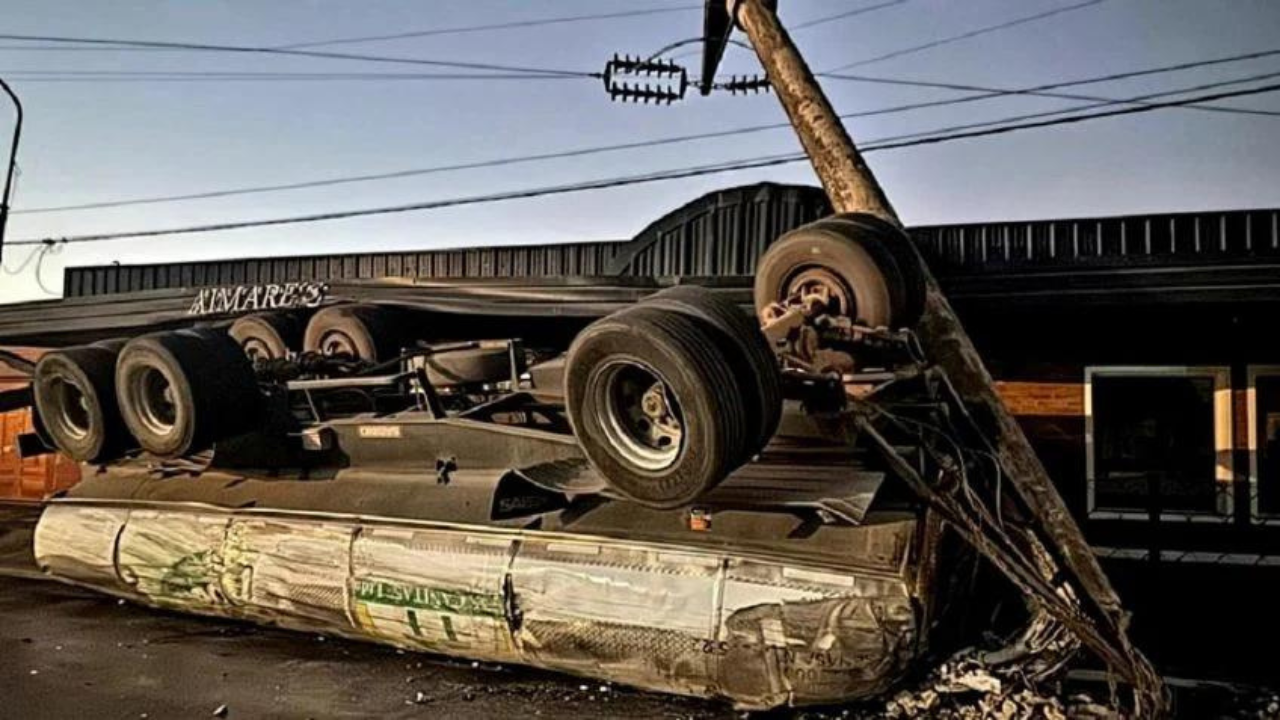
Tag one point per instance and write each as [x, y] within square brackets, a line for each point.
[621, 76]
[745, 84]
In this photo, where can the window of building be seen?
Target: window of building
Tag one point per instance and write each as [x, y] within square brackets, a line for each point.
[1158, 439]
[1264, 443]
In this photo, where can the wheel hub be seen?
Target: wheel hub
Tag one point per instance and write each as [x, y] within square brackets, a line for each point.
[820, 291]
[74, 417]
[338, 343]
[154, 397]
[256, 350]
[640, 416]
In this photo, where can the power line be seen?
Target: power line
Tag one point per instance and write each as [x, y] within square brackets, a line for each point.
[653, 142]
[41, 254]
[966, 35]
[759, 162]
[495, 26]
[1126, 75]
[417, 33]
[496, 162]
[128, 76]
[840, 16]
[1139, 100]
[914, 140]
[210, 47]
[792, 28]
[23, 265]
[987, 93]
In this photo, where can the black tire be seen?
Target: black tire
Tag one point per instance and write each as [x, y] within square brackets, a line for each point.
[856, 256]
[267, 336]
[180, 392]
[754, 363]
[75, 398]
[633, 349]
[365, 332]
[472, 366]
[906, 257]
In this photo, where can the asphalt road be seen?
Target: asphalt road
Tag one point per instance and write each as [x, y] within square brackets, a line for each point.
[67, 653]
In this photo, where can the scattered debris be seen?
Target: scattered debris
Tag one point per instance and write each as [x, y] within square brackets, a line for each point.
[220, 711]
[967, 688]
[1263, 705]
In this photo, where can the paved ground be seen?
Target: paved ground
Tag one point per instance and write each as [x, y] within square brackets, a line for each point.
[66, 652]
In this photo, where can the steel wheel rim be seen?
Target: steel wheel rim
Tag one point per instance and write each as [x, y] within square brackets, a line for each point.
[152, 396]
[336, 342]
[257, 349]
[73, 405]
[818, 283]
[641, 417]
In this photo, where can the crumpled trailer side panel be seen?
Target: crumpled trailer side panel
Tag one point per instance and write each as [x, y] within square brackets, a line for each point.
[759, 632]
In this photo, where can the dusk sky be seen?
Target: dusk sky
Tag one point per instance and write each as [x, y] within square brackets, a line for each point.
[101, 139]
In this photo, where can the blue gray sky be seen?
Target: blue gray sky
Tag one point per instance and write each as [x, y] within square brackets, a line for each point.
[96, 141]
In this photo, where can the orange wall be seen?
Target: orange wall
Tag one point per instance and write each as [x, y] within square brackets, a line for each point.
[36, 477]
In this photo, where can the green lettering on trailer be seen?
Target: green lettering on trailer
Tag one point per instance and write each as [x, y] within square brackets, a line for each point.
[420, 597]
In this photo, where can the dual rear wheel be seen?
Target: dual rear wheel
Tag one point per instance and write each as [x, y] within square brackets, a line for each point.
[669, 397]
[170, 394]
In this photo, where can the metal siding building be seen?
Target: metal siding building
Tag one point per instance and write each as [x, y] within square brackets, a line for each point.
[725, 232]
[722, 233]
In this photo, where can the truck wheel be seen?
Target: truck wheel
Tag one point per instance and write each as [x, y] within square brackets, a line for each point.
[754, 364]
[899, 246]
[365, 332]
[267, 336]
[654, 404]
[179, 392]
[843, 262]
[75, 399]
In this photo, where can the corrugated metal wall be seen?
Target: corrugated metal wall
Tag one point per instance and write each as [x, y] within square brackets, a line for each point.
[718, 234]
[1171, 239]
[725, 232]
[528, 261]
[721, 234]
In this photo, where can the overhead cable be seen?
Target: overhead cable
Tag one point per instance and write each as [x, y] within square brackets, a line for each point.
[535, 22]
[967, 35]
[245, 49]
[670, 140]
[758, 162]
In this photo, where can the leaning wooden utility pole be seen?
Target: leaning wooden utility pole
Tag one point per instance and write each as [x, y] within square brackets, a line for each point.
[852, 187]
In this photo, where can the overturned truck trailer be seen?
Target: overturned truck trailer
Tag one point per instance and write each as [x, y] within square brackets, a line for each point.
[615, 592]
[661, 495]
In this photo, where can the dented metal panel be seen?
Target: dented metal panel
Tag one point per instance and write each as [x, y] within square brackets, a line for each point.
[619, 611]
[176, 560]
[296, 570]
[687, 620]
[79, 543]
[433, 590]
